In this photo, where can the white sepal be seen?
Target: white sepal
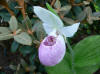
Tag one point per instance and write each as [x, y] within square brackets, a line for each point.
[48, 29]
[47, 17]
[69, 31]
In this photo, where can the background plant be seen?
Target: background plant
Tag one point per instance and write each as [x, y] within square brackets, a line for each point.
[27, 32]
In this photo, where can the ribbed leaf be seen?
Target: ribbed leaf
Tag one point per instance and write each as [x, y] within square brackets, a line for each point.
[87, 70]
[61, 68]
[87, 51]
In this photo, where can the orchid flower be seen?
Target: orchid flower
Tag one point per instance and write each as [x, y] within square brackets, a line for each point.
[52, 49]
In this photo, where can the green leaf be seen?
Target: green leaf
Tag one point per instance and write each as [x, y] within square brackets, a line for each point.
[26, 49]
[97, 7]
[5, 36]
[86, 2]
[88, 10]
[87, 70]
[38, 28]
[24, 64]
[14, 46]
[78, 1]
[77, 10]
[57, 4]
[2, 73]
[51, 9]
[62, 68]
[12, 6]
[65, 9]
[32, 57]
[68, 20]
[23, 38]
[13, 23]
[5, 33]
[13, 67]
[87, 51]
[4, 30]
[32, 68]
[96, 14]
[5, 15]
[27, 22]
[81, 16]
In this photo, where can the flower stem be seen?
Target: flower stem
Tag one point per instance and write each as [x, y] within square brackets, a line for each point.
[72, 55]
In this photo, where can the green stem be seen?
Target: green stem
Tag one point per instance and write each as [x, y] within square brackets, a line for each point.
[72, 55]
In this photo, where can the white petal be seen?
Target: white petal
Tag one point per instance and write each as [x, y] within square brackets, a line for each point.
[48, 17]
[70, 30]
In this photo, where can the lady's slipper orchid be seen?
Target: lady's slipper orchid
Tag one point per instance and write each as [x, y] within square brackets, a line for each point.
[52, 48]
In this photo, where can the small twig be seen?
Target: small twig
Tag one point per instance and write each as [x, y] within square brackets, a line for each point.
[78, 4]
[5, 5]
[61, 16]
[22, 7]
[18, 7]
[10, 11]
[53, 2]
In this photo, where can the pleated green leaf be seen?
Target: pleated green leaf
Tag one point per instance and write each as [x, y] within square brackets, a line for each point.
[62, 68]
[87, 51]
